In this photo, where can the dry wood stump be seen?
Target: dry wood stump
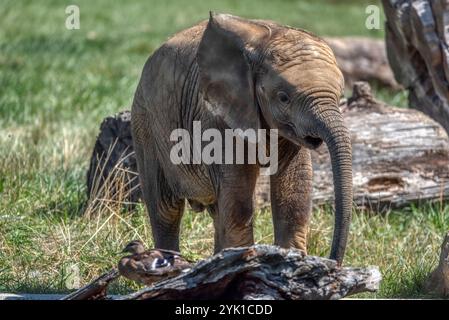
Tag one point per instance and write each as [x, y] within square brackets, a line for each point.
[257, 272]
[417, 40]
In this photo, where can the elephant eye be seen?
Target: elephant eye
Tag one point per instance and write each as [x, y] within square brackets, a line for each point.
[283, 97]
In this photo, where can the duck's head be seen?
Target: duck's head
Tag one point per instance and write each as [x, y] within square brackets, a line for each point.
[134, 247]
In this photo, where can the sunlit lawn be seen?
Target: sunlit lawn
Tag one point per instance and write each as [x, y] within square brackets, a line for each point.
[57, 85]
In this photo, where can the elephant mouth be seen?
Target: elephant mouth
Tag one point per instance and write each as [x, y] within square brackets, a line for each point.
[312, 142]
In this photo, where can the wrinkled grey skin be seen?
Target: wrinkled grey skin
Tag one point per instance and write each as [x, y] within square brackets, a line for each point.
[235, 73]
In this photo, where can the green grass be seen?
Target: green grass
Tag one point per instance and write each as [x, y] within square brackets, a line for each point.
[57, 85]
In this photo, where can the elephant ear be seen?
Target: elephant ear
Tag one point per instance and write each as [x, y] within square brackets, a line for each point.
[226, 77]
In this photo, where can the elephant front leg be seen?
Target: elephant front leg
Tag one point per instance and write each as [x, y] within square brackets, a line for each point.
[234, 217]
[291, 198]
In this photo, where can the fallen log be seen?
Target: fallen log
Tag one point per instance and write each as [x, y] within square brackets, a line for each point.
[112, 174]
[400, 156]
[262, 272]
[438, 282]
[417, 40]
[363, 59]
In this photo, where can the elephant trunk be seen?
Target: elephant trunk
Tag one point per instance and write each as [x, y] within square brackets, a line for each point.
[335, 134]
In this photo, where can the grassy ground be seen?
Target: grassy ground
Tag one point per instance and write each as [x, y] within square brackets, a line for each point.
[56, 86]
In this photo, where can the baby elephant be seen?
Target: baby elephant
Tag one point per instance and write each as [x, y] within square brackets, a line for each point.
[233, 73]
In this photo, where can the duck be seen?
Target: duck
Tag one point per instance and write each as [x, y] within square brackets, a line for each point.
[150, 266]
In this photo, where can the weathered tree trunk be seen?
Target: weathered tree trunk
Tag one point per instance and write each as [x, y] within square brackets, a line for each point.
[417, 38]
[112, 175]
[399, 156]
[438, 282]
[363, 59]
[261, 272]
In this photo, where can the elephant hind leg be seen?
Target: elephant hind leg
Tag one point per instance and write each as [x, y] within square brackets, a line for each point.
[213, 212]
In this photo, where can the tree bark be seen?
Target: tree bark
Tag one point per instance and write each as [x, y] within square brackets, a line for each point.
[417, 40]
[438, 282]
[261, 272]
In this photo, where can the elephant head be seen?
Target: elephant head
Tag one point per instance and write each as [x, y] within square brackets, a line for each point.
[254, 72]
